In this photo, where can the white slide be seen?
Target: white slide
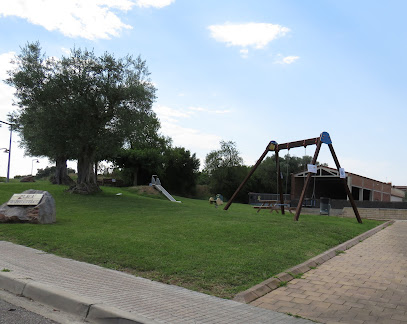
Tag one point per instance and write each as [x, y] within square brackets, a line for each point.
[156, 183]
[165, 193]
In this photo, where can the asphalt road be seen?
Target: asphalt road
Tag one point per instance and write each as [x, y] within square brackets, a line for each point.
[20, 310]
[10, 314]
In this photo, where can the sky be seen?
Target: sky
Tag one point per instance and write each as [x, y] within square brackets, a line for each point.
[247, 71]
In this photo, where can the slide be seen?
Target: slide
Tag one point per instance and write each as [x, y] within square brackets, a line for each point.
[165, 193]
[155, 182]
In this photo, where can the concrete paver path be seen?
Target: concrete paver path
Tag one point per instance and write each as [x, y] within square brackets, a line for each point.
[365, 284]
[156, 302]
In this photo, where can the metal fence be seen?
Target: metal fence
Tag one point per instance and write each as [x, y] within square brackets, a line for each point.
[254, 197]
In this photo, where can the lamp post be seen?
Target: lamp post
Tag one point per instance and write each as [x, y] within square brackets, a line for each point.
[32, 165]
[9, 149]
[5, 149]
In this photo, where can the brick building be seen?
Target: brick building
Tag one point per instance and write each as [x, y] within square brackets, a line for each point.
[327, 183]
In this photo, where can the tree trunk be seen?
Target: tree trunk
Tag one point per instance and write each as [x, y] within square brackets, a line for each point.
[61, 173]
[96, 170]
[86, 183]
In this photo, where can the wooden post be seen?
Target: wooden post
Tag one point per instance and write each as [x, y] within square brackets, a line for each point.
[279, 182]
[352, 201]
[314, 160]
[247, 177]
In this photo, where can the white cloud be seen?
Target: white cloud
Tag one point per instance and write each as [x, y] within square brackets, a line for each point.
[193, 139]
[90, 19]
[257, 35]
[19, 164]
[248, 160]
[65, 50]
[173, 116]
[198, 109]
[6, 92]
[154, 3]
[286, 60]
[221, 112]
[5, 64]
[208, 111]
[169, 114]
[244, 53]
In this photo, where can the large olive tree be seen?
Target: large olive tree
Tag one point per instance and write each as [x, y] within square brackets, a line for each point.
[80, 106]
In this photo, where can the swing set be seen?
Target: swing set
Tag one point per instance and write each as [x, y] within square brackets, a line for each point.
[324, 138]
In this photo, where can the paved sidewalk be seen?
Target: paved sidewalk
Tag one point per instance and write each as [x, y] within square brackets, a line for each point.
[365, 284]
[107, 296]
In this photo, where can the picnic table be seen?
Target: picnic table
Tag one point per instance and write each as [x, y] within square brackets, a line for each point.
[266, 204]
[273, 205]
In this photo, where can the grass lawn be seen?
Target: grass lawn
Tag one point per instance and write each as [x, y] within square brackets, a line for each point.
[191, 244]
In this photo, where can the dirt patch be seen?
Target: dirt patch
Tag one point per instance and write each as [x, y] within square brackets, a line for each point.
[148, 190]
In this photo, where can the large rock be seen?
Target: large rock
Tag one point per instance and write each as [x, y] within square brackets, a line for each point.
[43, 213]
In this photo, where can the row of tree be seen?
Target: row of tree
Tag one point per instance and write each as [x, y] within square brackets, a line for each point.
[224, 171]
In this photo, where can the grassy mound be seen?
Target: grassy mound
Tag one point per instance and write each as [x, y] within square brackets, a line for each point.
[191, 244]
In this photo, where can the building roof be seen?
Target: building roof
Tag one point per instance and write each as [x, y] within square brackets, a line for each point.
[397, 192]
[335, 173]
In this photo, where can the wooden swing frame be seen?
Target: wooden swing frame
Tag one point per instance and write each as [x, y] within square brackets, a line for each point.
[324, 138]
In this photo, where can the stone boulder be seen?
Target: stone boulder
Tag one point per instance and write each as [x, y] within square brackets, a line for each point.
[43, 213]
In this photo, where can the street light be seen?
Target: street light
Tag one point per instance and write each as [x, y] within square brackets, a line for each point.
[5, 149]
[32, 165]
[9, 149]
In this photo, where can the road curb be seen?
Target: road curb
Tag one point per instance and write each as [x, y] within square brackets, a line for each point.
[271, 284]
[58, 298]
[100, 313]
[12, 283]
[85, 308]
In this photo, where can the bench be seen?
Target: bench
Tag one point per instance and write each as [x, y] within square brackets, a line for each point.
[274, 205]
[286, 207]
[265, 204]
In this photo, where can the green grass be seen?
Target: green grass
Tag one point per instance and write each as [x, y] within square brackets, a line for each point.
[191, 244]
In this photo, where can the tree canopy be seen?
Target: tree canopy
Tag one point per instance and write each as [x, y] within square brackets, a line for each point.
[226, 156]
[224, 171]
[80, 106]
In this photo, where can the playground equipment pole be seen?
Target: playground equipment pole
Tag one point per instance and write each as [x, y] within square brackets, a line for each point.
[352, 201]
[280, 183]
[247, 177]
[304, 189]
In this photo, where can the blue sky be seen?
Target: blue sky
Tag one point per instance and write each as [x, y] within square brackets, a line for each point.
[246, 71]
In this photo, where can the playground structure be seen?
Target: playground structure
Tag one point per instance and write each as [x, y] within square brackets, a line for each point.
[217, 201]
[324, 138]
[156, 183]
